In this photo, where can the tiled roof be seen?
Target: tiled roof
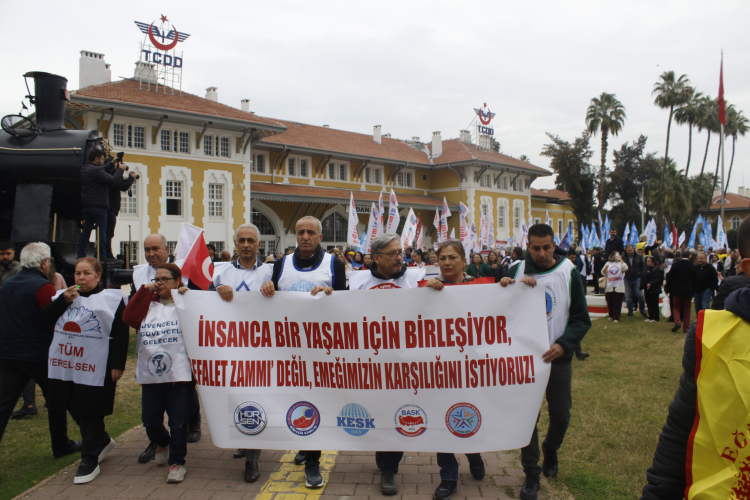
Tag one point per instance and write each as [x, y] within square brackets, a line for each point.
[732, 202]
[342, 141]
[300, 193]
[555, 194]
[130, 91]
[455, 150]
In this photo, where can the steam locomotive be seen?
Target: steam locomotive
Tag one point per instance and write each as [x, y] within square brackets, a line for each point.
[40, 179]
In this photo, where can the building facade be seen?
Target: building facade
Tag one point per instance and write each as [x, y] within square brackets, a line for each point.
[217, 166]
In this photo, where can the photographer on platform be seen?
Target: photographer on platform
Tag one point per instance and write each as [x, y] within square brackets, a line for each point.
[114, 202]
[95, 182]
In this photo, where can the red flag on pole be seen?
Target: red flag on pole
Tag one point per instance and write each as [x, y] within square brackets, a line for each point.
[198, 267]
[722, 109]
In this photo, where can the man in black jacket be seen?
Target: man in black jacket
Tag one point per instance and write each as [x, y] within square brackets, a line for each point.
[667, 475]
[729, 285]
[681, 286]
[614, 244]
[633, 291]
[706, 282]
[599, 261]
[115, 198]
[95, 182]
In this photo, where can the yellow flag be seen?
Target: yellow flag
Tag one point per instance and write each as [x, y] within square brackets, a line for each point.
[718, 455]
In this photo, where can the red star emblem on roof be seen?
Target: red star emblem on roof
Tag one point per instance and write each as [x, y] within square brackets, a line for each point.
[163, 18]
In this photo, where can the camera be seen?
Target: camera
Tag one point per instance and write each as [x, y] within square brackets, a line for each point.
[118, 160]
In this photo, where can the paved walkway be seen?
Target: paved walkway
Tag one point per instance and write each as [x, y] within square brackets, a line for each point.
[214, 474]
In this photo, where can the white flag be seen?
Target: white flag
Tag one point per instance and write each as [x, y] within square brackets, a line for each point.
[453, 233]
[444, 220]
[372, 227]
[381, 211]
[681, 240]
[547, 220]
[491, 232]
[436, 223]
[393, 217]
[721, 235]
[410, 229]
[483, 236]
[524, 232]
[352, 237]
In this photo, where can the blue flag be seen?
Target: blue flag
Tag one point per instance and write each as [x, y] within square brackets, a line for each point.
[633, 234]
[567, 240]
[691, 241]
[607, 223]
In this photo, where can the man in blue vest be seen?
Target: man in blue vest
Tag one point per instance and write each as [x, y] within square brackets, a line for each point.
[25, 341]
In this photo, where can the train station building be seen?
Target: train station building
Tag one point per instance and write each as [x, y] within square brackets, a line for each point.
[218, 166]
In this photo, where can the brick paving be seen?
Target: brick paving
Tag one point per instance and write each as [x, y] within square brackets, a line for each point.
[214, 474]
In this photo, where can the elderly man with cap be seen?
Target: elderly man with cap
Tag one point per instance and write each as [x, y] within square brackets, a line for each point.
[25, 341]
[156, 250]
[309, 269]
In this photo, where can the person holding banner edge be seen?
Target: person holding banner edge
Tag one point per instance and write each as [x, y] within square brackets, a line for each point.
[88, 397]
[167, 385]
[452, 262]
[387, 271]
[308, 269]
[244, 274]
[568, 322]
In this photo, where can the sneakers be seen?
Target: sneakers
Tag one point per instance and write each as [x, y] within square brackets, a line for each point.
[477, 469]
[176, 473]
[107, 448]
[300, 458]
[148, 453]
[530, 487]
[70, 447]
[445, 490]
[86, 473]
[388, 484]
[549, 464]
[313, 479]
[161, 455]
[616, 321]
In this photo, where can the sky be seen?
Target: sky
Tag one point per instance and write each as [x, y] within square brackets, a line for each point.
[420, 66]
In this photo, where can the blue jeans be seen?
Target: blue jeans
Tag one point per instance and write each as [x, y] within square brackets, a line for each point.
[703, 300]
[174, 399]
[449, 465]
[633, 293]
[93, 216]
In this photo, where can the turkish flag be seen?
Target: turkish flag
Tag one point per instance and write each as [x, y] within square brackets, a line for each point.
[198, 267]
[722, 108]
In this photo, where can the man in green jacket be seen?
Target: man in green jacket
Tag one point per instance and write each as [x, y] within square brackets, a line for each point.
[567, 323]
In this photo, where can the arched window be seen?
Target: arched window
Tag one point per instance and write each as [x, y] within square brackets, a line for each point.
[267, 233]
[334, 229]
[736, 222]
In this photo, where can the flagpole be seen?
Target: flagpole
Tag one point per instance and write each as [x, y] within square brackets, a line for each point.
[723, 187]
[721, 115]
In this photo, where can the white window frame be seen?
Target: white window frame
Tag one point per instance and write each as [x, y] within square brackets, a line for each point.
[170, 185]
[405, 179]
[304, 167]
[216, 200]
[142, 130]
[168, 134]
[559, 228]
[735, 222]
[128, 204]
[537, 220]
[290, 167]
[208, 145]
[121, 127]
[342, 168]
[262, 164]
[223, 151]
[186, 143]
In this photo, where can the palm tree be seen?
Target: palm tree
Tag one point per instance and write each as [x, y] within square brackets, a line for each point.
[677, 192]
[670, 93]
[605, 113]
[708, 119]
[737, 124]
[688, 113]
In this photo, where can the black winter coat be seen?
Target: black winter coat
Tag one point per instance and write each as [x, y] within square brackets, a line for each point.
[95, 182]
[706, 278]
[115, 198]
[86, 399]
[652, 276]
[681, 279]
[635, 268]
[666, 476]
[615, 245]
[728, 286]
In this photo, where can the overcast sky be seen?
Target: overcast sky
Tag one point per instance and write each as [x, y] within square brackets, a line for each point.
[415, 67]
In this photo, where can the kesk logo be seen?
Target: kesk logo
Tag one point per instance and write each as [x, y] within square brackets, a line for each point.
[77, 321]
[303, 418]
[386, 286]
[551, 301]
[250, 418]
[463, 420]
[159, 364]
[355, 419]
[411, 420]
[614, 270]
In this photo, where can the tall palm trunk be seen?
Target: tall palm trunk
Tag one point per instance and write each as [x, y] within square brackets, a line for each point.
[690, 147]
[729, 175]
[716, 179]
[602, 197]
[695, 208]
[659, 207]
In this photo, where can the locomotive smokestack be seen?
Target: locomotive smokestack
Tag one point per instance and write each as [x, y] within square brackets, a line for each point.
[51, 95]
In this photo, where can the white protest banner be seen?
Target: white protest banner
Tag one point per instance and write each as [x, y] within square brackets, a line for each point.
[459, 370]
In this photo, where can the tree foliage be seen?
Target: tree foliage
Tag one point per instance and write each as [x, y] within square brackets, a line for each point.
[634, 168]
[605, 113]
[574, 173]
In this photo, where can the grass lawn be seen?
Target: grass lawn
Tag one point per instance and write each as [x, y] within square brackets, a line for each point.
[25, 452]
[620, 400]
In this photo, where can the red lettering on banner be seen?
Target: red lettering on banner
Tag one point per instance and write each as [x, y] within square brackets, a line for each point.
[511, 372]
[429, 333]
[232, 334]
[209, 331]
[502, 335]
[221, 326]
[243, 334]
[279, 330]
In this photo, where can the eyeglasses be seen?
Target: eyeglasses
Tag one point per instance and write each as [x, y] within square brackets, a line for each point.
[161, 281]
[393, 254]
